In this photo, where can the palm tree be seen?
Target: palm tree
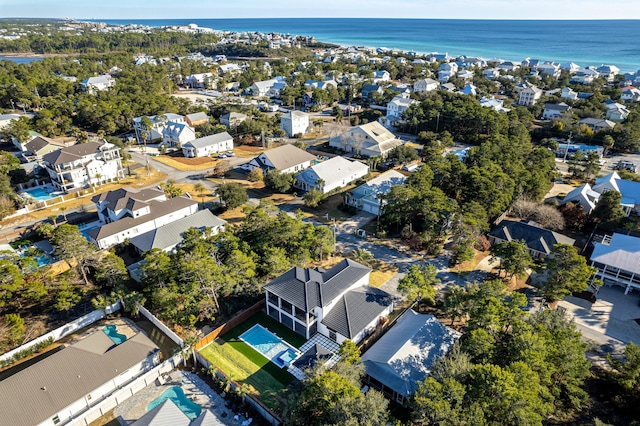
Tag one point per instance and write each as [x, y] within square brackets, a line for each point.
[98, 176]
[200, 188]
[362, 256]
[63, 210]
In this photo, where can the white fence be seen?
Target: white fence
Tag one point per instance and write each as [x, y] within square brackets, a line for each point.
[266, 414]
[65, 330]
[166, 330]
[120, 395]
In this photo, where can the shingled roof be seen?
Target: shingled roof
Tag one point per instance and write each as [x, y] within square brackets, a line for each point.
[306, 288]
[535, 237]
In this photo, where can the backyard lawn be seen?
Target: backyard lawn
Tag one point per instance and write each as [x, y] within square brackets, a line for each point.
[245, 365]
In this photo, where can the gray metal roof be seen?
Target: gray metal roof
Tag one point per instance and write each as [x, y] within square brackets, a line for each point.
[43, 389]
[356, 309]
[197, 116]
[536, 237]
[622, 252]
[165, 414]
[209, 140]
[158, 209]
[72, 153]
[287, 156]
[307, 288]
[406, 353]
[169, 235]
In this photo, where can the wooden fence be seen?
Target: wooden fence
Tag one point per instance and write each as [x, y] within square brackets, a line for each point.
[233, 322]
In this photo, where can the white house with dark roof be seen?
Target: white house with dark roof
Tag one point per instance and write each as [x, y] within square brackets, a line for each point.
[334, 173]
[207, 145]
[55, 389]
[406, 353]
[369, 140]
[539, 241]
[285, 159]
[98, 84]
[177, 134]
[337, 303]
[127, 213]
[294, 123]
[78, 166]
[368, 196]
[618, 261]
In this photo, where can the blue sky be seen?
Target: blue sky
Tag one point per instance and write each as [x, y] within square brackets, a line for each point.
[450, 9]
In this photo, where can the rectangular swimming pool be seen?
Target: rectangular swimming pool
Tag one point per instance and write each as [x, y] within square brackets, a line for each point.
[39, 193]
[271, 346]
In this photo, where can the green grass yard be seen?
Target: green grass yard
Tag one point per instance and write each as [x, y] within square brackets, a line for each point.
[245, 365]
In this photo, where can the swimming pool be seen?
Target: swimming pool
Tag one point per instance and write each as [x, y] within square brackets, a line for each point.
[176, 394]
[112, 332]
[40, 193]
[271, 346]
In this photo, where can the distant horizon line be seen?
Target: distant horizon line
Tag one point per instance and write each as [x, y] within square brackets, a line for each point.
[328, 17]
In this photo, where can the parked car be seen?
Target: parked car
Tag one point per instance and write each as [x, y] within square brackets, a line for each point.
[221, 155]
[230, 154]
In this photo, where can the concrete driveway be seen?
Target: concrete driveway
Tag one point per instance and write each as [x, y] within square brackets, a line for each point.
[610, 321]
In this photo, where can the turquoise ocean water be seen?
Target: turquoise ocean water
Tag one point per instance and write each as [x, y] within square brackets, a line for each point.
[582, 42]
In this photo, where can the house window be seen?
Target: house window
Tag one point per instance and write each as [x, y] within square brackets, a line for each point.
[272, 298]
[332, 335]
[286, 306]
[55, 420]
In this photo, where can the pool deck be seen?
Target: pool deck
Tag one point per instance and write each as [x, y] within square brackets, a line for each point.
[194, 388]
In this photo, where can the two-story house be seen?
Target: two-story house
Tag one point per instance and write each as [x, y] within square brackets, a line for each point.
[154, 130]
[395, 108]
[425, 85]
[207, 145]
[369, 196]
[552, 111]
[337, 303]
[332, 174]
[97, 84]
[175, 134]
[127, 213]
[81, 165]
[369, 140]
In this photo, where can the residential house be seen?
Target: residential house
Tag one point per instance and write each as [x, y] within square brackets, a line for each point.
[597, 124]
[585, 76]
[154, 132]
[491, 73]
[369, 89]
[229, 69]
[617, 112]
[630, 93]
[233, 119]
[39, 146]
[268, 88]
[446, 71]
[550, 68]
[529, 94]
[395, 108]
[78, 166]
[369, 196]
[381, 76]
[175, 134]
[285, 159]
[618, 261]
[207, 145]
[205, 80]
[630, 191]
[337, 303]
[196, 119]
[323, 85]
[466, 75]
[539, 241]
[448, 87]
[167, 237]
[369, 140]
[552, 111]
[6, 119]
[334, 173]
[127, 213]
[469, 89]
[68, 382]
[583, 195]
[294, 123]
[406, 353]
[509, 66]
[571, 67]
[425, 85]
[569, 93]
[496, 104]
[97, 84]
[608, 72]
